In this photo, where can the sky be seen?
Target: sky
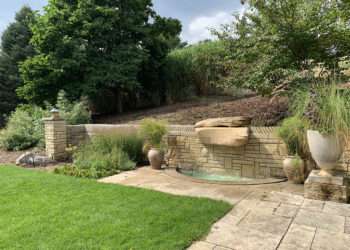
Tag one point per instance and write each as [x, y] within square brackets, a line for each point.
[196, 15]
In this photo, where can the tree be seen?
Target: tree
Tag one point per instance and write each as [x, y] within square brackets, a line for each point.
[275, 39]
[15, 48]
[162, 37]
[87, 45]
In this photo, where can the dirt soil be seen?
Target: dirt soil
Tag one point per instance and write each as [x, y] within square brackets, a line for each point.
[263, 111]
[7, 157]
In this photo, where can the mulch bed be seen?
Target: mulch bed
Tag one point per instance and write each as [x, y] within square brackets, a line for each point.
[7, 157]
[263, 111]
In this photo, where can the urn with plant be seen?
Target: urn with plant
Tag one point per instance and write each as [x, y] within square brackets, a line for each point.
[153, 131]
[292, 132]
[326, 111]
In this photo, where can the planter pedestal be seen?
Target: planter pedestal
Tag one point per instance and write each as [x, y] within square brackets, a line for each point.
[328, 188]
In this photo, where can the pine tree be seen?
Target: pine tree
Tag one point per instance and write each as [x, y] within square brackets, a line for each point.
[15, 48]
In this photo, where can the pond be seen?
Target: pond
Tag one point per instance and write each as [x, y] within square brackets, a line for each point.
[223, 177]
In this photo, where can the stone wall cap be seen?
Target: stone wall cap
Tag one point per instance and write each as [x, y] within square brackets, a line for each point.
[50, 119]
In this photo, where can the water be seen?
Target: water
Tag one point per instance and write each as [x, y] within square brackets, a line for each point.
[212, 176]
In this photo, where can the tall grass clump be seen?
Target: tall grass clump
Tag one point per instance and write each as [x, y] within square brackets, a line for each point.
[105, 156]
[325, 108]
[194, 70]
[293, 132]
[153, 131]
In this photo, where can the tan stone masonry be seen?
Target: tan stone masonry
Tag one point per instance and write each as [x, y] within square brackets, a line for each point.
[261, 158]
[55, 138]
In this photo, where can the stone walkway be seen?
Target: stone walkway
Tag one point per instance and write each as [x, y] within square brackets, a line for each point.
[281, 221]
[264, 217]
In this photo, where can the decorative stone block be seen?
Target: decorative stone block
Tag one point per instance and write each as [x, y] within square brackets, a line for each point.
[334, 188]
[238, 121]
[231, 137]
[55, 137]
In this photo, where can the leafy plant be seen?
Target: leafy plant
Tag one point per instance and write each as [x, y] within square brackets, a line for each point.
[292, 131]
[24, 129]
[297, 161]
[99, 164]
[275, 39]
[73, 113]
[105, 156]
[152, 131]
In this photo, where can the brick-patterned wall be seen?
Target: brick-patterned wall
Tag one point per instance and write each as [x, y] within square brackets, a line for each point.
[77, 134]
[261, 158]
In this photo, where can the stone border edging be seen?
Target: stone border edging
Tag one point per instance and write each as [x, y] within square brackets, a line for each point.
[175, 174]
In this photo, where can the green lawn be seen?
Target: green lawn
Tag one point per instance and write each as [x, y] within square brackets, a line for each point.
[46, 211]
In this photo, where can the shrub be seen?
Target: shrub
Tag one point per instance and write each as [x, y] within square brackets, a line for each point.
[24, 129]
[292, 132]
[105, 156]
[73, 113]
[152, 131]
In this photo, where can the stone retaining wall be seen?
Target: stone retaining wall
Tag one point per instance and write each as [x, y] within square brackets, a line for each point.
[77, 134]
[261, 158]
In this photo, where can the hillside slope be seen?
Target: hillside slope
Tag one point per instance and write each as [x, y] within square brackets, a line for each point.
[261, 109]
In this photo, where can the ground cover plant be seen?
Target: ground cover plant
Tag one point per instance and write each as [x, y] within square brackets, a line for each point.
[105, 156]
[25, 126]
[45, 211]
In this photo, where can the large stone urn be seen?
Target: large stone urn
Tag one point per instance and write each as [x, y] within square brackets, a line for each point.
[326, 150]
[156, 158]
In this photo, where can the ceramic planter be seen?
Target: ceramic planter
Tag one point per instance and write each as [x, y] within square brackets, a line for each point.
[326, 150]
[156, 158]
[293, 167]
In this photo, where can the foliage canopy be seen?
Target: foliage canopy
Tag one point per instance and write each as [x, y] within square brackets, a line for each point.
[274, 39]
[87, 45]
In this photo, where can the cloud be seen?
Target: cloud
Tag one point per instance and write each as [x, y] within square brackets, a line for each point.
[199, 27]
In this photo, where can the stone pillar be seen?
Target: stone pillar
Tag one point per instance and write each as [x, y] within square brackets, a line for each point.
[55, 136]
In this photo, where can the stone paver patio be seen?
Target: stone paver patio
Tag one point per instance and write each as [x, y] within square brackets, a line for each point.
[273, 216]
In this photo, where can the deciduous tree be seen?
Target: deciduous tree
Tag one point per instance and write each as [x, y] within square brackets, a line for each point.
[274, 39]
[88, 45]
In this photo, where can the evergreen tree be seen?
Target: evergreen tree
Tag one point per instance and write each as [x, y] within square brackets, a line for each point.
[15, 48]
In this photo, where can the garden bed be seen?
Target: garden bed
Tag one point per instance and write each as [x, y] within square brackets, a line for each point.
[41, 210]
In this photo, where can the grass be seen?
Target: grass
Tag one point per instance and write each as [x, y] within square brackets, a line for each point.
[45, 211]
